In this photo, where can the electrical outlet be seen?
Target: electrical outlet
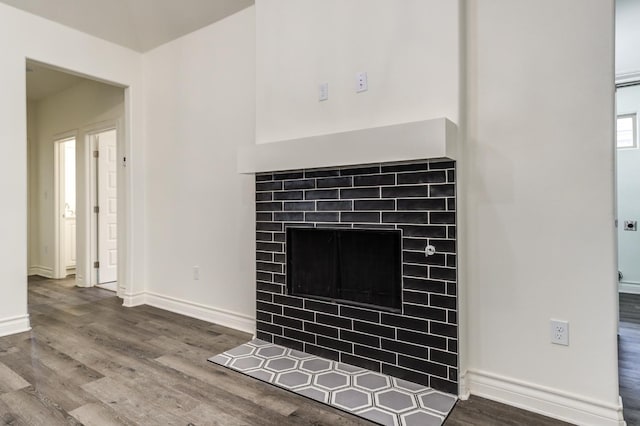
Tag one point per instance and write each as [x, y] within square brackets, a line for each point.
[323, 91]
[560, 332]
[362, 83]
[196, 273]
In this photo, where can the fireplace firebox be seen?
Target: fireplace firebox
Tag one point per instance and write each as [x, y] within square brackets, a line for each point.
[352, 266]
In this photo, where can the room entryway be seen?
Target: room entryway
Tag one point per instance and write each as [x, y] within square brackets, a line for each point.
[628, 186]
[76, 185]
[628, 214]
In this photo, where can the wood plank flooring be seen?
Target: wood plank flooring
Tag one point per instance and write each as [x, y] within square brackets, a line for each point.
[629, 357]
[90, 361]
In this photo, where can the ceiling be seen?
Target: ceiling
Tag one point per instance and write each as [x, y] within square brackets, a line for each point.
[43, 81]
[140, 25]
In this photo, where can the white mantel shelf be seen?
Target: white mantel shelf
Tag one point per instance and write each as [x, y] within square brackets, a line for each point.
[418, 140]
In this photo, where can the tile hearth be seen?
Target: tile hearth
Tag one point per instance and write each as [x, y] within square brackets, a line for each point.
[374, 396]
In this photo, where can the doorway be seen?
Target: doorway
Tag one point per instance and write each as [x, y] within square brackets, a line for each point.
[628, 215]
[77, 202]
[628, 187]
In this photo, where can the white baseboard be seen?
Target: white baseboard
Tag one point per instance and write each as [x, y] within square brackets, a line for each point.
[546, 401]
[191, 309]
[629, 287]
[43, 271]
[131, 300]
[80, 282]
[14, 325]
[206, 313]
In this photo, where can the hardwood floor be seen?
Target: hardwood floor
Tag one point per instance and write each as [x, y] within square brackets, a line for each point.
[89, 360]
[629, 356]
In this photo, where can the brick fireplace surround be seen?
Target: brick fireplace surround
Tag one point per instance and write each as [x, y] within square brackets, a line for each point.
[420, 343]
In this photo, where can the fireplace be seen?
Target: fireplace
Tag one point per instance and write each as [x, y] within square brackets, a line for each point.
[351, 266]
[412, 333]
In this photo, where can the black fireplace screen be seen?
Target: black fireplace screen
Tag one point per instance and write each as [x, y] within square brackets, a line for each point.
[361, 267]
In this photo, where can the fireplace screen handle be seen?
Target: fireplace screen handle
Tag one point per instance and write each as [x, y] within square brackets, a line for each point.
[429, 250]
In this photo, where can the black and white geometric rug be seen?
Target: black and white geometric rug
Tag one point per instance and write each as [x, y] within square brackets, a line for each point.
[377, 397]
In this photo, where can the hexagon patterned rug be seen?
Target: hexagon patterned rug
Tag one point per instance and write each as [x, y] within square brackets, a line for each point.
[377, 397]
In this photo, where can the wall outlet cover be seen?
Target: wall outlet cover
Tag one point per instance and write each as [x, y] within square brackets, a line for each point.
[560, 332]
[323, 92]
[196, 273]
[362, 82]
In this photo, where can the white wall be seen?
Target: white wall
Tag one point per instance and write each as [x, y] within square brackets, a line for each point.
[26, 36]
[199, 107]
[627, 37]
[410, 50]
[540, 205]
[75, 110]
[628, 185]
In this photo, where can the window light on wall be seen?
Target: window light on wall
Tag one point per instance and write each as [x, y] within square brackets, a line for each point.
[626, 131]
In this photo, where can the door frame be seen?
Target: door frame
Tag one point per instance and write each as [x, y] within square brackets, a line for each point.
[59, 264]
[91, 196]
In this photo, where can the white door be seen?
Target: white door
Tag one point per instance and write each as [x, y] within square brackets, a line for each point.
[69, 197]
[65, 206]
[107, 207]
[70, 243]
